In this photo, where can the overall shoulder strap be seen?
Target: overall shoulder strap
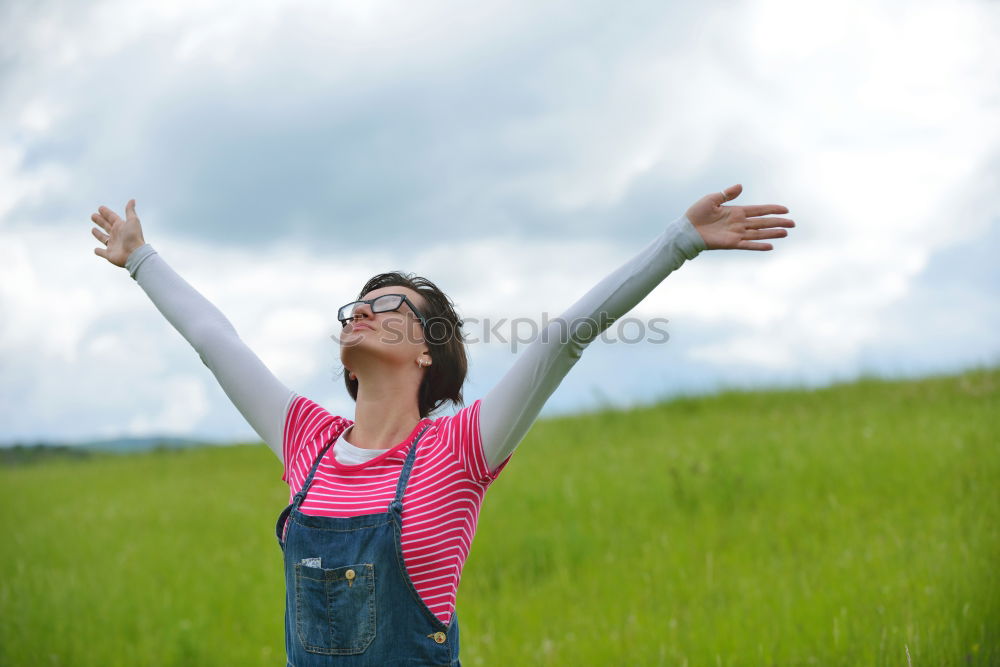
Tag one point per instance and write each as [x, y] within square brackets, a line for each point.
[301, 495]
[404, 476]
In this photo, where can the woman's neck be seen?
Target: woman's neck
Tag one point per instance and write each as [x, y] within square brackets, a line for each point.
[383, 416]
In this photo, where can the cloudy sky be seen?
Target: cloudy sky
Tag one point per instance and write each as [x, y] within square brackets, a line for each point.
[513, 152]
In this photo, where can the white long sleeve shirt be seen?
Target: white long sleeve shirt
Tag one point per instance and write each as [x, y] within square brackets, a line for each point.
[508, 409]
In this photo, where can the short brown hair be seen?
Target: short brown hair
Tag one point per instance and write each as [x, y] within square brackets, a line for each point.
[444, 378]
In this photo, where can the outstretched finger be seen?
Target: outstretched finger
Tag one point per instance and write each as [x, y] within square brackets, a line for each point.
[759, 234]
[100, 221]
[765, 223]
[763, 209]
[130, 210]
[100, 236]
[109, 215]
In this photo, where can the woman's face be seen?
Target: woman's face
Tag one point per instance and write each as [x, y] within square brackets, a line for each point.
[395, 337]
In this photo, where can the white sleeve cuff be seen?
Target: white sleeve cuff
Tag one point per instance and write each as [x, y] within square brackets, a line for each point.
[689, 242]
[136, 257]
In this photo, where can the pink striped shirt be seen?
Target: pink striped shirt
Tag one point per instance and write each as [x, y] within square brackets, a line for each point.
[440, 506]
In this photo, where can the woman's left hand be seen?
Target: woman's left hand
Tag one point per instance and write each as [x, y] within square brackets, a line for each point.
[736, 227]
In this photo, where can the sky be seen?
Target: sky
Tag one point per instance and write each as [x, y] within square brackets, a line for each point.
[513, 152]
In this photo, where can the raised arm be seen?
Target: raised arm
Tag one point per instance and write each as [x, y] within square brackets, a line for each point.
[512, 405]
[258, 395]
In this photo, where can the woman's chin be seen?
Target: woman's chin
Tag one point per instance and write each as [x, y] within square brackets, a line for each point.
[369, 353]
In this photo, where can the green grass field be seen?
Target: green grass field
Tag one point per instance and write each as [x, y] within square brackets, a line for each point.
[842, 526]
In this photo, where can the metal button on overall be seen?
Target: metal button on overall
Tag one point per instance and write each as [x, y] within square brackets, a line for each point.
[348, 597]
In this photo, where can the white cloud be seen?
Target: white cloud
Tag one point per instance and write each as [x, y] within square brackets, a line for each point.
[182, 406]
[46, 310]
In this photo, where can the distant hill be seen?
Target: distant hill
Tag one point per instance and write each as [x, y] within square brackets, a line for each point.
[122, 445]
[24, 452]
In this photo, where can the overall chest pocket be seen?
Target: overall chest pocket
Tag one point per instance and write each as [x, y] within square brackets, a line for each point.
[335, 608]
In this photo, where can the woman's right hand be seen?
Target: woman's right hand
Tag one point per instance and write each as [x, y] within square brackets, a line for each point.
[121, 237]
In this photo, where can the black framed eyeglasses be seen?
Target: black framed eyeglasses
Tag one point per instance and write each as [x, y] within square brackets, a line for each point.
[380, 304]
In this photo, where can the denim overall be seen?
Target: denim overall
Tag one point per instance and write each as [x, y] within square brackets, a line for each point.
[348, 597]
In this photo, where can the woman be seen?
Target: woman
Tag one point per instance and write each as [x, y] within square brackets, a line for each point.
[383, 507]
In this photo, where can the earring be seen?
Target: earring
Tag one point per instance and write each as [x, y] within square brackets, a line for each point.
[352, 376]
